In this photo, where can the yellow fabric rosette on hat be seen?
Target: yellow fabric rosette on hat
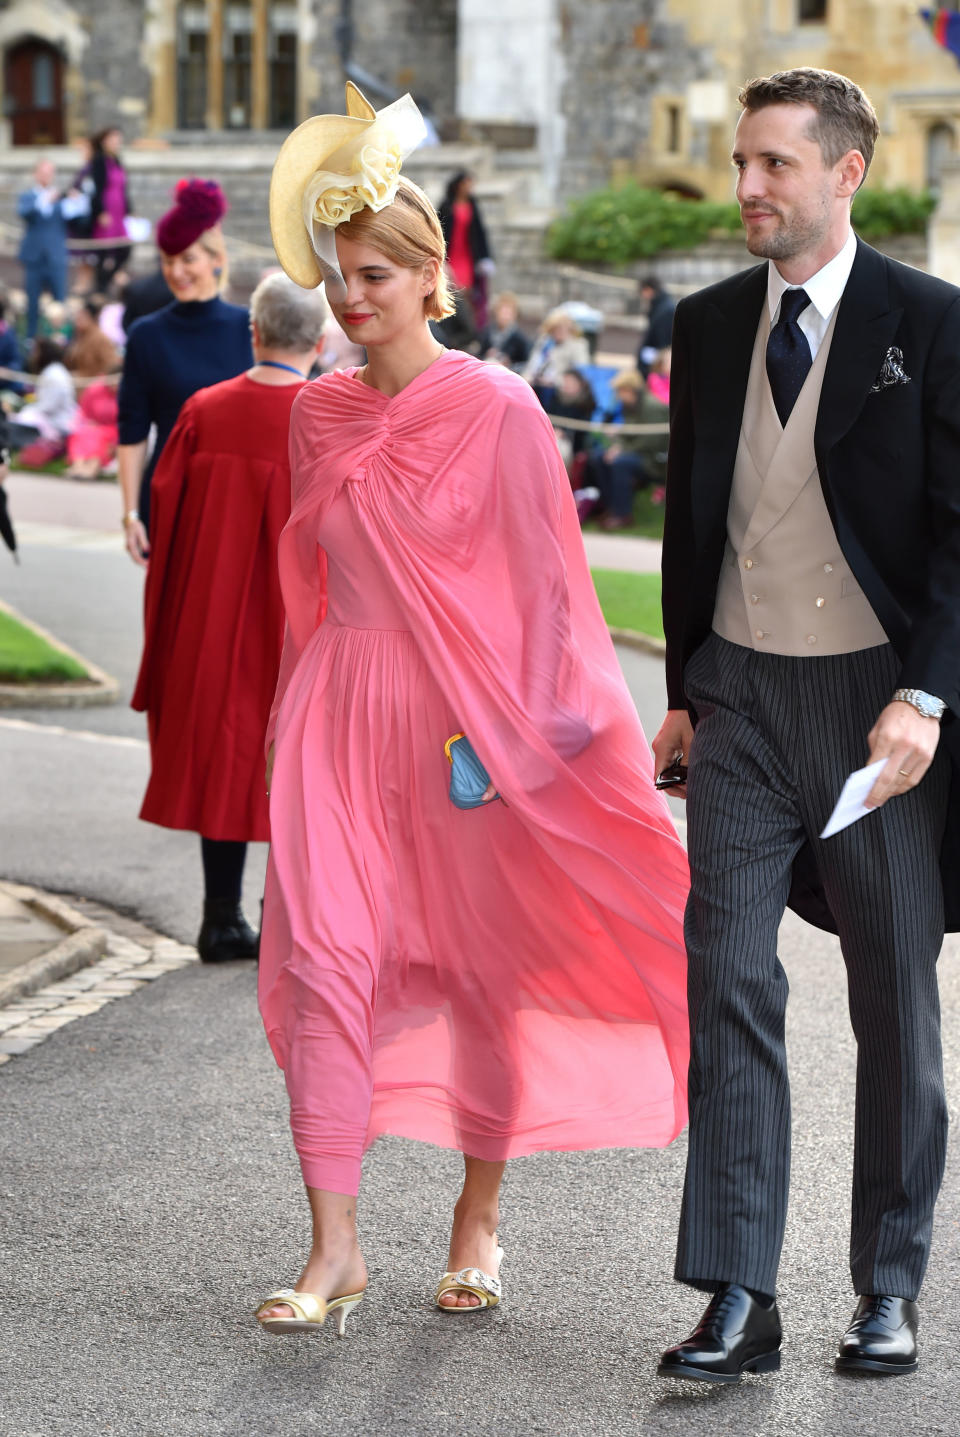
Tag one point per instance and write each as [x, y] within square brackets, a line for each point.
[330, 167]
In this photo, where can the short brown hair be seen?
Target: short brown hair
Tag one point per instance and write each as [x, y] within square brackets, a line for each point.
[845, 120]
[408, 232]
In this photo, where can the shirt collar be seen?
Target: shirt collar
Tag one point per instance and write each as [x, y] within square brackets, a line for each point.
[824, 289]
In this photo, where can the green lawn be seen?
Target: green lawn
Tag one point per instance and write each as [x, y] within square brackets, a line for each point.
[647, 518]
[630, 601]
[25, 657]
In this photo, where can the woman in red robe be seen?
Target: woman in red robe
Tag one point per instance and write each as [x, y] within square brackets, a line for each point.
[213, 610]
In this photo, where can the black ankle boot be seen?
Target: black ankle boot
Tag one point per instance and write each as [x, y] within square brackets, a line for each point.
[225, 934]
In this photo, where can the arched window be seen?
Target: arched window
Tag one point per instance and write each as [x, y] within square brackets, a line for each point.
[282, 41]
[941, 143]
[192, 42]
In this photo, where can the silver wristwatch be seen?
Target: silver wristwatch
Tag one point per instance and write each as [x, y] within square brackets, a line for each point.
[926, 704]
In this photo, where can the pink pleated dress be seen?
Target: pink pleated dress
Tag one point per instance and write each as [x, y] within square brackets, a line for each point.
[425, 971]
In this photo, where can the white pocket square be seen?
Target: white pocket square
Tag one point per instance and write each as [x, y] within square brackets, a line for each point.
[891, 371]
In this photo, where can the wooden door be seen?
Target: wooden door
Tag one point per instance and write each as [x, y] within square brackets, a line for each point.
[33, 93]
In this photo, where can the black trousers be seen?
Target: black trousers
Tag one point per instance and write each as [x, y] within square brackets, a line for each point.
[776, 739]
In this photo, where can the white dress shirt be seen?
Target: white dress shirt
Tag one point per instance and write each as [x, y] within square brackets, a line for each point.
[824, 290]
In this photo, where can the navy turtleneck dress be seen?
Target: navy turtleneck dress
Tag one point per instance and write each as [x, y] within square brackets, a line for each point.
[170, 355]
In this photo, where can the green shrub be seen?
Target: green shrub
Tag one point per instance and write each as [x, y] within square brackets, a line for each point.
[878, 213]
[616, 226]
[627, 222]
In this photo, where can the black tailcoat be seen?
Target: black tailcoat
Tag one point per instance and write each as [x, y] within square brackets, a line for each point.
[888, 455]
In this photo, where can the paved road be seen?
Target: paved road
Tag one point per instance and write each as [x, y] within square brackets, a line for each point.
[149, 1195]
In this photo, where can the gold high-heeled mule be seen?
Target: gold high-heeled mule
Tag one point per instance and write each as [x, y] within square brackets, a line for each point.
[310, 1312]
[471, 1279]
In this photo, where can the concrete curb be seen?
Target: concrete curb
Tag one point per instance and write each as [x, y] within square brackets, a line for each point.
[630, 639]
[82, 944]
[101, 689]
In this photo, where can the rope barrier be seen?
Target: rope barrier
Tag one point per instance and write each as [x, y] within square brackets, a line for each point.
[607, 281]
[590, 426]
[79, 381]
[10, 237]
[587, 426]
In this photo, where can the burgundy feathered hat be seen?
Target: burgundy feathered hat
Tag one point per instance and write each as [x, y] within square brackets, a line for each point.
[197, 206]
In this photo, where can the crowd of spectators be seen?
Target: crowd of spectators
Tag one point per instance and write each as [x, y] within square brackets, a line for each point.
[58, 386]
[589, 401]
[60, 364]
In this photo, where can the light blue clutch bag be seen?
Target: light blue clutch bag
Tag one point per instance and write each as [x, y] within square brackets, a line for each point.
[469, 779]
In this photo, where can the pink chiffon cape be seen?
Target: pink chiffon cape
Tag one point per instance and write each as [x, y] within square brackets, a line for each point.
[562, 918]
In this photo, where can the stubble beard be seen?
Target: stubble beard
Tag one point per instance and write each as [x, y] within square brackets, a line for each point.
[799, 235]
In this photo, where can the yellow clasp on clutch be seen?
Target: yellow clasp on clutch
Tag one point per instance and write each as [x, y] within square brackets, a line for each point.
[449, 745]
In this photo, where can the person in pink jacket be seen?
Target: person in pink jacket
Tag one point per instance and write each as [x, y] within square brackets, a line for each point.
[502, 979]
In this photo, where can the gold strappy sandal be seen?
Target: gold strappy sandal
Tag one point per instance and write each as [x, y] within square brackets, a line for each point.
[471, 1279]
[310, 1312]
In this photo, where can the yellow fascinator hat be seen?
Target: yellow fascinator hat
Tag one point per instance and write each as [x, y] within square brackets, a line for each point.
[329, 168]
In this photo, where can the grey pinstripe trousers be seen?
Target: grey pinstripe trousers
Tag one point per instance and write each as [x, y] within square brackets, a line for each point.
[776, 738]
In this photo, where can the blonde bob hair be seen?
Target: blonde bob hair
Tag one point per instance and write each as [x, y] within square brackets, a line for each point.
[408, 232]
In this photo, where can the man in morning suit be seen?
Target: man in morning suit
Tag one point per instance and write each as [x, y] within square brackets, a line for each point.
[811, 590]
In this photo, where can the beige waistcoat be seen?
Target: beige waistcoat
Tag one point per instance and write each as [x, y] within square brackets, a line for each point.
[785, 587]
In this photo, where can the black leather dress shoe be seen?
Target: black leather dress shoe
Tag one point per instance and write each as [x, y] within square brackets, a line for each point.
[881, 1338]
[225, 934]
[736, 1334]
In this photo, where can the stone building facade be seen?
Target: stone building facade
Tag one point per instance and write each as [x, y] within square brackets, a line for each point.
[544, 99]
[882, 44]
[163, 69]
[649, 87]
[591, 88]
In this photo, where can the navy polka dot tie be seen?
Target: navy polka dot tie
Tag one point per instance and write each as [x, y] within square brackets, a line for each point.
[788, 353]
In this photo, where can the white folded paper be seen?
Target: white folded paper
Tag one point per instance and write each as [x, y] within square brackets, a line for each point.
[137, 228]
[850, 805]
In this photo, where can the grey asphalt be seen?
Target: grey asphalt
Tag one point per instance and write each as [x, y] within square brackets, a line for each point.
[149, 1195]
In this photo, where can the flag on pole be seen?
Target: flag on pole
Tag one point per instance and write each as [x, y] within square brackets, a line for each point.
[945, 25]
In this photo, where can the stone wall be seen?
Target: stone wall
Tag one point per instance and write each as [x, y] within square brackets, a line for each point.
[117, 85]
[106, 81]
[407, 44]
[623, 61]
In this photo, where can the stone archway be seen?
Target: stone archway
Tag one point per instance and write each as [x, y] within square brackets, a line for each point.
[40, 45]
[33, 93]
[60, 26]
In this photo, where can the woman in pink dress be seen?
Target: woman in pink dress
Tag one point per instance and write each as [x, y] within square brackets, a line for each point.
[501, 980]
